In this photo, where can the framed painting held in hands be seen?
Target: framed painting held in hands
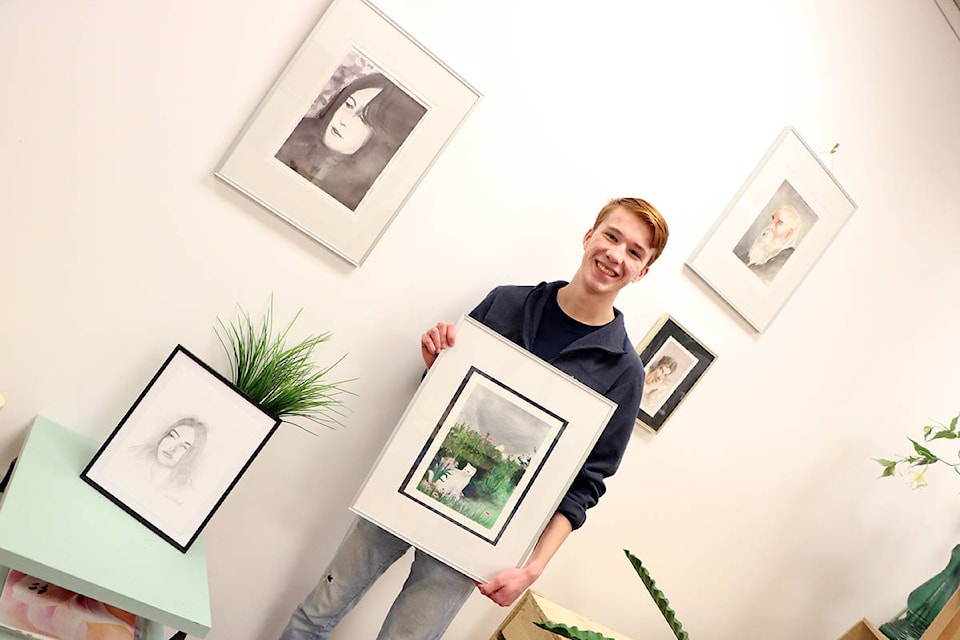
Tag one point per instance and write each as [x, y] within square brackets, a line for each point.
[180, 449]
[673, 361]
[773, 231]
[349, 129]
[483, 454]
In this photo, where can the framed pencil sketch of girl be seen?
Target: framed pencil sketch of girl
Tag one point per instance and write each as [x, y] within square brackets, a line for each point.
[180, 449]
[347, 132]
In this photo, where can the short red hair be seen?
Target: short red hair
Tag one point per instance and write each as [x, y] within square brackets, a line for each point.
[647, 213]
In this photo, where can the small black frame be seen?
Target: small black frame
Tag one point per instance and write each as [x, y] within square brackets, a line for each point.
[673, 362]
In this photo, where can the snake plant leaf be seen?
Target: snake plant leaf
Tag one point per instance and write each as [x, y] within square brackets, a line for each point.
[564, 631]
[662, 603]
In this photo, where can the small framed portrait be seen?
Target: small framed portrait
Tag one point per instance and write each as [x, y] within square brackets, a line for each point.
[773, 231]
[348, 130]
[483, 454]
[180, 449]
[673, 363]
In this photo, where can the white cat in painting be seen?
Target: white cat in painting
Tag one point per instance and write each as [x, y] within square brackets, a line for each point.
[455, 481]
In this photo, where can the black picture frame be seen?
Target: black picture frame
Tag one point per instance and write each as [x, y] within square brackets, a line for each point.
[668, 341]
[180, 449]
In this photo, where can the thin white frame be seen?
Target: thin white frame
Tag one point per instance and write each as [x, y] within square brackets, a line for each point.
[790, 173]
[951, 11]
[669, 337]
[348, 27]
[135, 469]
[566, 416]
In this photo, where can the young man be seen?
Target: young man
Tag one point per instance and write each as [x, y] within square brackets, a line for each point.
[573, 326]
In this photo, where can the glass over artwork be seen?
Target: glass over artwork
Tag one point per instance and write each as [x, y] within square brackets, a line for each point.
[776, 233]
[773, 231]
[351, 131]
[479, 461]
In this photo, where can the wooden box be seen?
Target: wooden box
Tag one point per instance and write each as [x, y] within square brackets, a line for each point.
[533, 607]
[863, 630]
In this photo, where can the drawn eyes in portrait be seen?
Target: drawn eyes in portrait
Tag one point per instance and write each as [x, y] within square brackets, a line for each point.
[343, 145]
[775, 234]
[658, 384]
[349, 130]
[175, 444]
[171, 460]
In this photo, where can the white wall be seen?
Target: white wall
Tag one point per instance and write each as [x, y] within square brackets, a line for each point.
[756, 508]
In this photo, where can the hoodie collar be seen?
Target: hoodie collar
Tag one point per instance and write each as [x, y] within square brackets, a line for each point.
[611, 337]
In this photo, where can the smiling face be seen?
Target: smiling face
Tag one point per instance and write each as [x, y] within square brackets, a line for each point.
[175, 444]
[616, 253]
[348, 129]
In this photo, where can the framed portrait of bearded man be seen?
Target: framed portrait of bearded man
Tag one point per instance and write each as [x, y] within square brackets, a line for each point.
[773, 231]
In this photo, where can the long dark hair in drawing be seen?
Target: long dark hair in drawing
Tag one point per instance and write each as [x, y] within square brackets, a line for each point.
[347, 145]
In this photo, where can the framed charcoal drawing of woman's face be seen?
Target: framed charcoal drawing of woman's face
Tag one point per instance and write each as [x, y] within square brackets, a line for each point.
[352, 131]
[348, 131]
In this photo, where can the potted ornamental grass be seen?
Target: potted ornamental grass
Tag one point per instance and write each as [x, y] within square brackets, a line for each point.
[280, 377]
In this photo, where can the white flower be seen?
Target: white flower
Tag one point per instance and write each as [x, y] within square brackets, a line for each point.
[917, 479]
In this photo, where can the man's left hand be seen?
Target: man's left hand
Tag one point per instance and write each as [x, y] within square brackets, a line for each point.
[508, 586]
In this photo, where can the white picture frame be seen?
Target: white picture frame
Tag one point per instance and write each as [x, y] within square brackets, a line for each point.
[750, 266]
[510, 430]
[337, 186]
[180, 449]
[951, 11]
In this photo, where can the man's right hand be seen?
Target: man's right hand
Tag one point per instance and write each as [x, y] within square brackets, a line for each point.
[435, 340]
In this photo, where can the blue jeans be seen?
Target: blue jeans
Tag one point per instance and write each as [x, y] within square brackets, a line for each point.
[429, 600]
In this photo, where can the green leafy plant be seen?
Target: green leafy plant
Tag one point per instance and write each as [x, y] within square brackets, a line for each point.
[922, 457]
[661, 601]
[576, 633]
[282, 379]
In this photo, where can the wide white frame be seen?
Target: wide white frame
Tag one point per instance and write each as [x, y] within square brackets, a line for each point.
[951, 11]
[348, 26]
[387, 499]
[127, 468]
[790, 171]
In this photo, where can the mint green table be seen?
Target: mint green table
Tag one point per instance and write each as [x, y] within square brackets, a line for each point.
[56, 527]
